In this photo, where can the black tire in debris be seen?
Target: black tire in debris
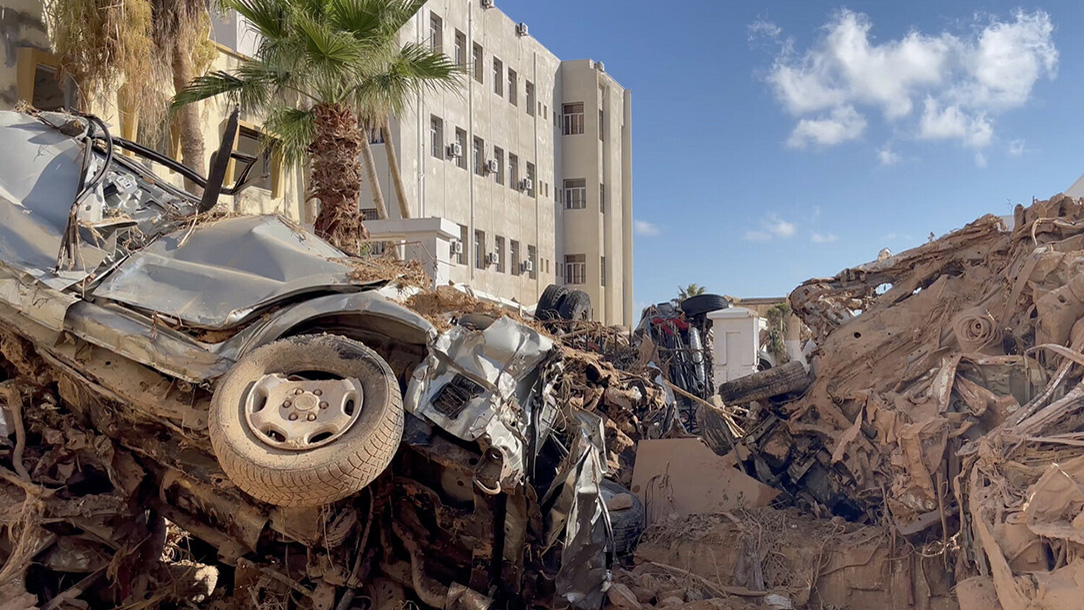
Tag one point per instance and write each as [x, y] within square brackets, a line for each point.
[627, 523]
[576, 306]
[703, 303]
[549, 303]
[325, 473]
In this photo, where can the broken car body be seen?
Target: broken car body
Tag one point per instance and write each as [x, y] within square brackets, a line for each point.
[184, 337]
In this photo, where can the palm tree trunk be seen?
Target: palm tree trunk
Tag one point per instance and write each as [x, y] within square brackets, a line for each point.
[191, 135]
[374, 180]
[336, 177]
[393, 163]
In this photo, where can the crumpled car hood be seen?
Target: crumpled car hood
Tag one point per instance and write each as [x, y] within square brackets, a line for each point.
[216, 274]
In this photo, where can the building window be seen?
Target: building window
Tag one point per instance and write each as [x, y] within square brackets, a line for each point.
[530, 179]
[575, 269]
[513, 171]
[512, 86]
[368, 214]
[480, 249]
[376, 136]
[602, 271]
[479, 157]
[461, 257]
[478, 68]
[498, 155]
[436, 33]
[545, 111]
[602, 197]
[573, 118]
[517, 266]
[532, 255]
[499, 245]
[460, 48]
[601, 125]
[498, 77]
[39, 83]
[530, 98]
[575, 194]
[436, 136]
[461, 139]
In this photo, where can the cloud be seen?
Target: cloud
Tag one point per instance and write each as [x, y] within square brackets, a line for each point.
[823, 238]
[980, 159]
[842, 124]
[958, 80]
[772, 227]
[1016, 148]
[887, 156]
[763, 29]
[644, 228]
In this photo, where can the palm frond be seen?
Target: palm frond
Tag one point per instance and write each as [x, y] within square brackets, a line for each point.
[415, 68]
[293, 130]
[270, 17]
[205, 87]
[326, 47]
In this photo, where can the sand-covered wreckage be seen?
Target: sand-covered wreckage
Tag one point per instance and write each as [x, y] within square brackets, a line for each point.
[216, 411]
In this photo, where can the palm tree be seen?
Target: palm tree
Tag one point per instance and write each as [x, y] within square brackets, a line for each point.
[691, 290]
[139, 43]
[321, 68]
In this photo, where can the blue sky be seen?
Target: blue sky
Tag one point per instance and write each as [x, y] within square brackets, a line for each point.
[781, 140]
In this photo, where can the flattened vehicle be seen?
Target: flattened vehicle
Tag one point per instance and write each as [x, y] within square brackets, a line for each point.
[263, 388]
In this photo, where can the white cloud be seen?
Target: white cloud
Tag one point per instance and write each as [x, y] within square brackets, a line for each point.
[763, 29]
[887, 156]
[645, 228]
[963, 78]
[823, 238]
[842, 124]
[980, 159]
[1016, 148]
[772, 227]
[951, 122]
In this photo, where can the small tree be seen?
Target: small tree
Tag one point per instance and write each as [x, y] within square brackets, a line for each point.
[691, 290]
[322, 67]
[776, 319]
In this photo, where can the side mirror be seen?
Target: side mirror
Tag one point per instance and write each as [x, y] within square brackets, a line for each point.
[219, 162]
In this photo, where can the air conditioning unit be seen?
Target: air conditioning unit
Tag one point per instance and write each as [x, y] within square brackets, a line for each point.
[455, 150]
[457, 247]
[526, 184]
[527, 266]
[601, 67]
[491, 166]
[521, 30]
[492, 258]
[487, 4]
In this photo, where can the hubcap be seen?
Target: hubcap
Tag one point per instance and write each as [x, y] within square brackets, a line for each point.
[300, 414]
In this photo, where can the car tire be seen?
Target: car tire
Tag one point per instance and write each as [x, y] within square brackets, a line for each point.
[704, 303]
[549, 304]
[324, 473]
[628, 523]
[576, 306]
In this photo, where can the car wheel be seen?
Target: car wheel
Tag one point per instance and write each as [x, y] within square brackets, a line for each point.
[704, 303]
[549, 303]
[306, 420]
[576, 306]
[627, 523]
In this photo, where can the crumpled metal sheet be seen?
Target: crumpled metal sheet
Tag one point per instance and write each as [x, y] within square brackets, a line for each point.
[39, 178]
[583, 577]
[500, 359]
[216, 274]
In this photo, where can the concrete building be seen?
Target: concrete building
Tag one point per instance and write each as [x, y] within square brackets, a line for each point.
[528, 166]
[519, 179]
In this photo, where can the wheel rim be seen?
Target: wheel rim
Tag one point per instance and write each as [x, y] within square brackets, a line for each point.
[290, 412]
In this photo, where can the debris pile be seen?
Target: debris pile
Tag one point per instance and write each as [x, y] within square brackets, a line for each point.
[947, 403]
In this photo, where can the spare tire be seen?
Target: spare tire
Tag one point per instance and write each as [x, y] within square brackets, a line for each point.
[576, 306]
[549, 304]
[306, 420]
[627, 523]
[704, 303]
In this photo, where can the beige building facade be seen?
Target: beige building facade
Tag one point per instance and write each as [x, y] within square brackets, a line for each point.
[518, 179]
[528, 164]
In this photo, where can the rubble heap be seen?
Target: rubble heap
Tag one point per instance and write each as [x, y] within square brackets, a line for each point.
[948, 399]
